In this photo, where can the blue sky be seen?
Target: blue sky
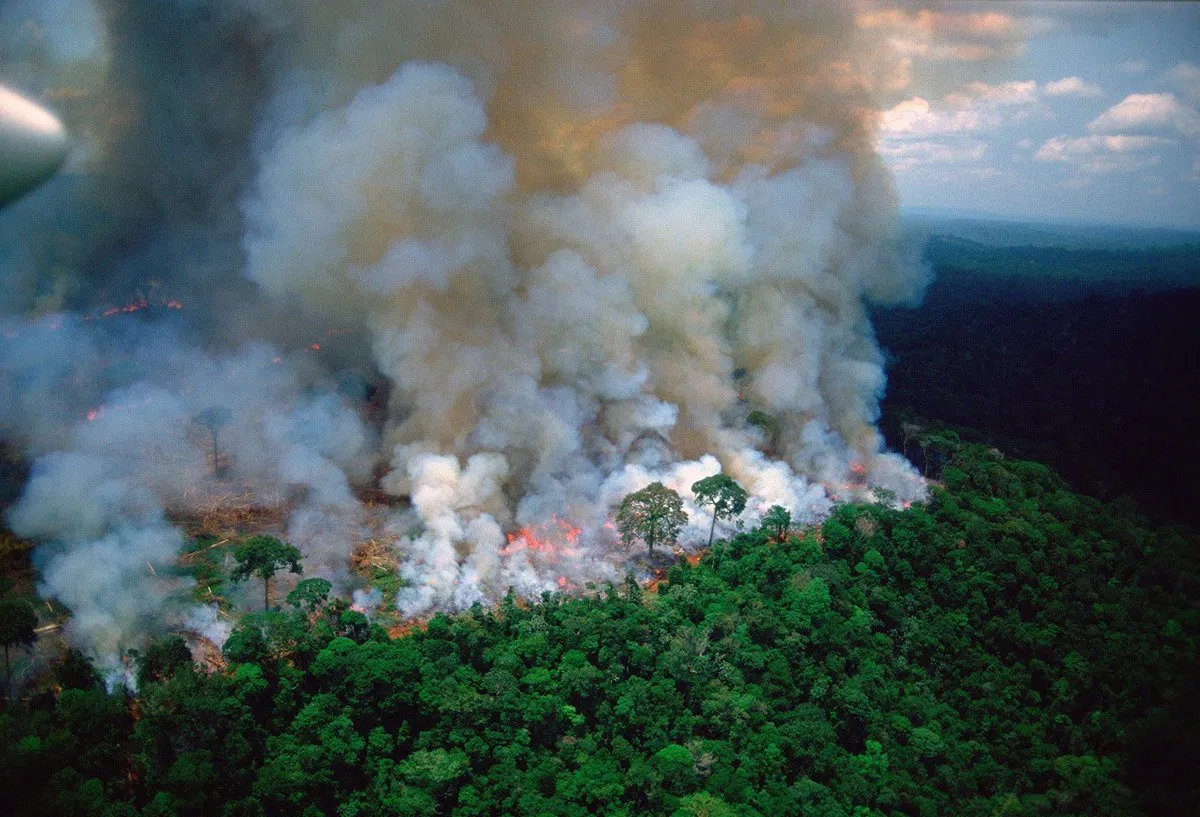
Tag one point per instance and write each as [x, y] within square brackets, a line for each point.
[1084, 111]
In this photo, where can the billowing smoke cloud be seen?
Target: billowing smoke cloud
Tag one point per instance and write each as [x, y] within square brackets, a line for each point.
[574, 246]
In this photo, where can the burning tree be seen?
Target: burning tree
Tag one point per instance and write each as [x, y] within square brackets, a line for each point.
[654, 515]
[727, 498]
[264, 556]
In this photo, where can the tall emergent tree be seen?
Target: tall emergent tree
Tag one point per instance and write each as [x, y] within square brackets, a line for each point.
[727, 498]
[653, 514]
[17, 623]
[264, 556]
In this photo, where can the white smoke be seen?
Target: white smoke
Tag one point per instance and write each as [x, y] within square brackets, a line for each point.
[576, 243]
[206, 622]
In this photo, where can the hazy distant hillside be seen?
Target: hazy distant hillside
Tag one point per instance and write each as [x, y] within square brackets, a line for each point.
[1003, 233]
[989, 260]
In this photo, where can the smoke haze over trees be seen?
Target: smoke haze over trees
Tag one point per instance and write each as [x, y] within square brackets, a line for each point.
[506, 263]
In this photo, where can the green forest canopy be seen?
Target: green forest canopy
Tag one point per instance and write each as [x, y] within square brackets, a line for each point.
[1011, 648]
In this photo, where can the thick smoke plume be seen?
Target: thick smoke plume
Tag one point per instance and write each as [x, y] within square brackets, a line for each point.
[505, 261]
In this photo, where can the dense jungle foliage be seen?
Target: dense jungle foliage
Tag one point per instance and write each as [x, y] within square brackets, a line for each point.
[1010, 648]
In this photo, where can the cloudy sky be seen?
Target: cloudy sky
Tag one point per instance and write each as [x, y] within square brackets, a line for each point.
[1084, 111]
[1080, 111]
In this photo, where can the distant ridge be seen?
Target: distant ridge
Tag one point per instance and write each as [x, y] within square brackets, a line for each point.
[1001, 231]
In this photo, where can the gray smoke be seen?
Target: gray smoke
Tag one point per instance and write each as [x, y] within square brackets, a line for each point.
[576, 244]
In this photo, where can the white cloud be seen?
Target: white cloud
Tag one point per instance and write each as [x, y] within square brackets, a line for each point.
[947, 131]
[1148, 113]
[917, 118]
[977, 106]
[1063, 148]
[1016, 92]
[1100, 153]
[1071, 86]
[903, 156]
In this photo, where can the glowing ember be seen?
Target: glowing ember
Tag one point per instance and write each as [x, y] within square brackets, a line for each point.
[562, 582]
[142, 302]
[56, 322]
[316, 347]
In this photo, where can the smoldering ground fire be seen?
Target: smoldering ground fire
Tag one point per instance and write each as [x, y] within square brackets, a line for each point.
[549, 233]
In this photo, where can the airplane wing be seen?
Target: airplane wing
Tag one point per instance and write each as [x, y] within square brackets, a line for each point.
[33, 145]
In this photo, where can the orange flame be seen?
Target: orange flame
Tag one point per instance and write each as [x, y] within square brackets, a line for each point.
[548, 538]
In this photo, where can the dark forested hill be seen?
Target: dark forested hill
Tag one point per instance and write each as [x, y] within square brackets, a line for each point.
[1012, 648]
[1104, 385]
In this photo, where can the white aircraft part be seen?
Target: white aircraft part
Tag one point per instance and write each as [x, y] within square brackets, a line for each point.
[33, 145]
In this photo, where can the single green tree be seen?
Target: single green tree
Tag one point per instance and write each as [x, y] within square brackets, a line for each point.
[674, 768]
[76, 672]
[161, 659]
[703, 804]
[264, 556]
[246, 644]
[353, 625]
[310, 594]
[778, 520]
[938, 447]
[654, 515]
[726, 497]
[17, 627]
